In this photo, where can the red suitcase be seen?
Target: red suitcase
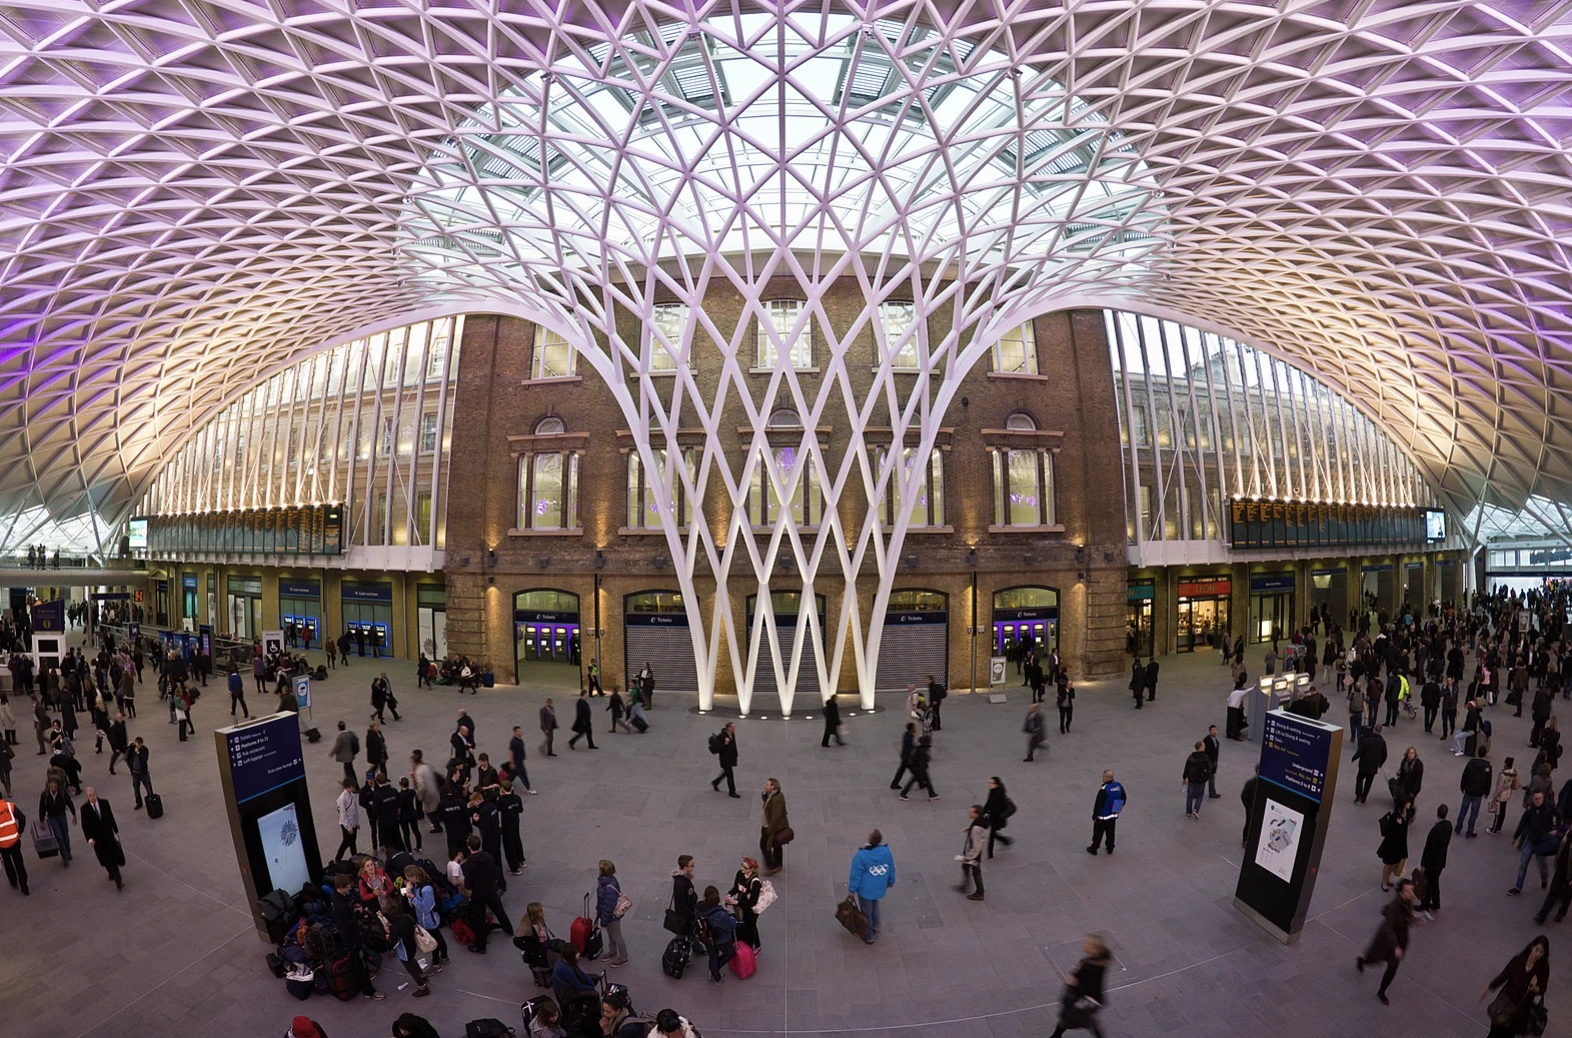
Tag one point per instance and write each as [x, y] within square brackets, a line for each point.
[585, 935]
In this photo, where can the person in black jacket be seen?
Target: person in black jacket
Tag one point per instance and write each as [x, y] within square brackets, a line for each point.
[1138, 683]
[998, 807]
[400, 927]
[385, 816]
[510, 811]
[346, 917]
[1560, 881]
[583, 722]
[1083, 995]
[1475, 786]
[919, 768]
[103, 835]
[728, 761]
[1523, 981]
[482, 874]
[1151, 680]
[1433, 860]
[1197, 769]
[684, 898]
[908, 743]
[408, 816]
[53, 804]
[832, 723]
[454, 815]
[1370, 756]
[1410, 777]
[1247, 798]
[1214, 750]
[1536, 835]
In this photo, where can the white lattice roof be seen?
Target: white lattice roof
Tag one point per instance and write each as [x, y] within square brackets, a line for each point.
[192, 194]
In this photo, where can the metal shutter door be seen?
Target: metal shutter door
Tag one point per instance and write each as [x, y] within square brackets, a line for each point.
[807, 677]
[910, 652]
[668, 649]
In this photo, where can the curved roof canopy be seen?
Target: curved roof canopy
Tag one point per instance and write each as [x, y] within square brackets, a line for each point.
[194, 194]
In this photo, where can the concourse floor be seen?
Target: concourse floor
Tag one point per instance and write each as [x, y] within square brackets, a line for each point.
[176, 954]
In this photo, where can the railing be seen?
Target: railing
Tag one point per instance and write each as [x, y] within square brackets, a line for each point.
[69, 560]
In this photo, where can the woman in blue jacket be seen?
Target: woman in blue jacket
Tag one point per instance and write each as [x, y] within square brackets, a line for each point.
[721, 931]
[872, 873]
[607, 892]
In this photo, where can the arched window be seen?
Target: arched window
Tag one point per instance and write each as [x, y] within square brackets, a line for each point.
[784, 418]
[548, 480]
[1022, 476]
[1020, 422]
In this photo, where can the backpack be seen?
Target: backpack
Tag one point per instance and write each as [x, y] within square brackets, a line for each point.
[940, 693]
[717, 742]
[1484, 726]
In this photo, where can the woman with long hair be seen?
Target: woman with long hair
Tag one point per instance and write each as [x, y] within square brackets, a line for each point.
[744, 896]
[1521, 983]
[998, 808]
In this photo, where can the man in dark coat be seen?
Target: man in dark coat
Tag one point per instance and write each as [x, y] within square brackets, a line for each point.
[1151, 679]
[103, 835]
[728, 762]
[583, 722]
[1247, 798]
[1137, 683]
[832, 723]
[1370, 756]
[1433, 860]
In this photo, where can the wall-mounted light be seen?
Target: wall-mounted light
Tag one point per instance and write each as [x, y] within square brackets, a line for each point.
[544, 562]
[600, 560]
[911, 560]
[491, 558]
[661, 561]
[971, 557]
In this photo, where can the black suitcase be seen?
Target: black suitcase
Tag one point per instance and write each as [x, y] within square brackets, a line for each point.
[275, 965]
[155, 805]
[641, 724]
[489, 1027]
[277, 911]
[679, 951]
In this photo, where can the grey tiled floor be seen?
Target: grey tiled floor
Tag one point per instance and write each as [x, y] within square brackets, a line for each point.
[175, 953]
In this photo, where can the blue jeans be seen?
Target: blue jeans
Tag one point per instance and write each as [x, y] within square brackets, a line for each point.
[1522, 866]
[62, 832]
[870, 908]
[1470, 804]
[1194, 793]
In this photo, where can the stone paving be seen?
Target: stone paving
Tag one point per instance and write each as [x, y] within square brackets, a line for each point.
[175, 954]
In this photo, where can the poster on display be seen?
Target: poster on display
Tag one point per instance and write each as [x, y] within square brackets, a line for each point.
[996, 666]
[1279, 843]
[133, 631]
[272, 643]
[283, 848]
[303, 691]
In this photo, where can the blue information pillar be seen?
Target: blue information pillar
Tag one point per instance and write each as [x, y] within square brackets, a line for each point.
[1288, 821]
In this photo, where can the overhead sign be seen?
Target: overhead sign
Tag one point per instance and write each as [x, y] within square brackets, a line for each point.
[272, 642]
[264, 755]
[1295, 756]
[48, 617]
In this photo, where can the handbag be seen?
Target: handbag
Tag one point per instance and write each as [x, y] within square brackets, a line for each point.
[850, 916]
[1536, 1019]
[675, 922]
[766, 896]
[1503, 1008]
[424, 942]
[784, 837]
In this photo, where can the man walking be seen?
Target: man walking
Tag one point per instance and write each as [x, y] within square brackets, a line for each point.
[872, 875]
[1433, 861]
[583, 722]
[1370, 756]
[548, 725]
[1197, 770]
[936, 695]
[1475, 786]
[1214, 749]
[832, 723]
[1105, 812]
[1138, 683]
[346, 747]
[103, 835]
[1065, 697]
[136, 764]
[118, 740]
[1151, 680]
[922, 754]
[376, 749]
[1536, 836]
[237, 693]
[1033, 727]
[516, 759]
[724, 746]
[1247, 798]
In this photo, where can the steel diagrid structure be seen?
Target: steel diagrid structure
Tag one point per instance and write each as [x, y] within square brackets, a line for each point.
[196, 195]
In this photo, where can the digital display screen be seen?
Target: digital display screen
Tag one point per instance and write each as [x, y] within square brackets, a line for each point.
[264, 755]
[1294, 754]
[1435, 526]
[284, 849]
[136, 533]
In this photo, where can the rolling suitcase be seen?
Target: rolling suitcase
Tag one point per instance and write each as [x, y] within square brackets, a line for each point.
[277, 911]
[744, 962]
[679, 952]
[44, 842]
[341, 978]
[641, 724]
[155, 805]
[585, 935]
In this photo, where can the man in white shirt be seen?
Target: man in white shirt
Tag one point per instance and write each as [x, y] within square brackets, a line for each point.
[1236, 701]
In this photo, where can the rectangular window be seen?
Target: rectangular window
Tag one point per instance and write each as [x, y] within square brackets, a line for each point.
[784, 328]
[643, 507]
[428, 432]
[546, 493]
[764, 504]
[437, 355]
[1016, 351]
[554, 358]
[422, 533]
[928, 510]
[899, 321]
[665, 339]
[1023, 487]
[387, 437]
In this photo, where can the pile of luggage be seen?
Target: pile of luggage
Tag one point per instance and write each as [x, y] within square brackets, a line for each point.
[310, 954]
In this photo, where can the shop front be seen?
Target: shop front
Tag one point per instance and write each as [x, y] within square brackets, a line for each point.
[431, 605]
[189, 587]
[1025, 619]
[1271, 607]
[1201, 619]
[1139, 597]
[655, 632]
[915, 641]
[368, 618]
[546, 638]
[300, 612]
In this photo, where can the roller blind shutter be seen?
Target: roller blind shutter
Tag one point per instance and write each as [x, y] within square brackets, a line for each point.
[913, 646]
[664, 643]
[764, 682]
